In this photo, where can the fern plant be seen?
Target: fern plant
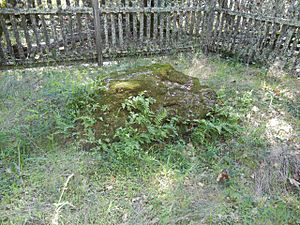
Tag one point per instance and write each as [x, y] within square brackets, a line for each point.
[144, 127]
[221, 122]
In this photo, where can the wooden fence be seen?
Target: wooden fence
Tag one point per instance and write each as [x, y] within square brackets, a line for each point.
[265, 31]
[42, 31]
[67, 31]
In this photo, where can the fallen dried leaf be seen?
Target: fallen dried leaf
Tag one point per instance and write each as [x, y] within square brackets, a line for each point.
[125, 217]
[223, 176]
[294, 182]
[110, 187]
[200, 184]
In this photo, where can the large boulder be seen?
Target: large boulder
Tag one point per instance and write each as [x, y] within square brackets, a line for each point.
[178, 93]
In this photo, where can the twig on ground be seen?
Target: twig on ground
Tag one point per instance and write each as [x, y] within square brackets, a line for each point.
[59, 205]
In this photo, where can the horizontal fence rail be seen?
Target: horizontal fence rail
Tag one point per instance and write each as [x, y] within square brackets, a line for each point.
[43, 31]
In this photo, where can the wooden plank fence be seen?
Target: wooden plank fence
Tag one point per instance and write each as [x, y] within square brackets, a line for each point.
[43, 31]
[82, 30]
[259, 31]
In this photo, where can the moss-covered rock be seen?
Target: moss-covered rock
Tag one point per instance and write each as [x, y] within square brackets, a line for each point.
[178, 93]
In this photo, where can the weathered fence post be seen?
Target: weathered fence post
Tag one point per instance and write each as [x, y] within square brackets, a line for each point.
[208, 29]
[97, 24]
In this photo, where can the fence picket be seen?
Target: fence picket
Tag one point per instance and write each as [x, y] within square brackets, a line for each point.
[180, 24]
[155, 21]
[296, 54]
[90, 34]
[19, 48]
[79, 28]
[167, 28]
[220, 36]
[148, 19]
[120, 24]
[26, 33]
[174, 29]
[62, 30]
[105, 26]
[210, 17]
[230, 31]
[44, 28]
[113, 30]
[192, 21]
[127, 23]
[97, 24]
[235, 34]
[63, 34]
[134, 24]
[141, 20]
[161, 30]
[226, 28]
[54, 43]
[296, 42]
[286, 50]
[280, 39]
[254, 40]
[264, 40]
[2, 53]
[70, 25]
[185, 7]
[198, 23]
[273, 40]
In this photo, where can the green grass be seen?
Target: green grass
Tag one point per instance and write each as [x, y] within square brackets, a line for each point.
[253, 134]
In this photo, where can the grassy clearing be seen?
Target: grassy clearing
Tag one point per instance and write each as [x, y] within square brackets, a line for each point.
[253, 135]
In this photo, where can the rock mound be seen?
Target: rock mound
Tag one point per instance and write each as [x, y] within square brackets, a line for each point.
[180, 94]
